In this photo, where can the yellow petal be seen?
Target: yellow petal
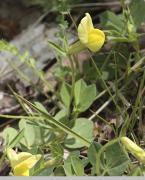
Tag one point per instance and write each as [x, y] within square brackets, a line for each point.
[96, 40]
[32, 160]
[12, 156]
[22, 169]
[84, 28]
[23, 156]
[17, 158]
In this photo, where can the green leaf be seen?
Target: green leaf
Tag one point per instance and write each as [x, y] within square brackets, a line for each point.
[62, 116]
[92, 158]
[32, 134]
[84, 128]
[116, 158]
[40, 106]
[69, 171]
[57, 48]
[59, 171]
[84, 95]
[79, 86]
[77, 165]
[111, 21]
[65, 94]
[12, 137]
[92, 151]
[137, 9]
[53, 121]
[9, 134]
[46, 172]
[16, 139]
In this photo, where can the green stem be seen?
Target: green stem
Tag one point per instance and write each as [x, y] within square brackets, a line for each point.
[137, 49]
[73, 83]
[132, 120]
[105, 85]
[19, 117]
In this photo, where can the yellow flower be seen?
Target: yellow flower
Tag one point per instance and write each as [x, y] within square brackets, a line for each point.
[89, 36]
[22, 163]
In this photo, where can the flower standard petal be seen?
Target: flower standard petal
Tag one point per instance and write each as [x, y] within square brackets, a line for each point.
[23, 156]
[84, 28]
[12, 156]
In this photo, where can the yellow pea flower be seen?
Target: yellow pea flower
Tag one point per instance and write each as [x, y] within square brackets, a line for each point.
[89, 37]
[134, 149]
[22, 163]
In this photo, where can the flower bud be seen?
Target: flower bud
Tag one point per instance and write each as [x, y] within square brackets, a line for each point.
[134, 149]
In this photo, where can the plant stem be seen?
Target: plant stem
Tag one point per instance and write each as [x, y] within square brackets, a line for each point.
[105, 85]
[73, 83]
